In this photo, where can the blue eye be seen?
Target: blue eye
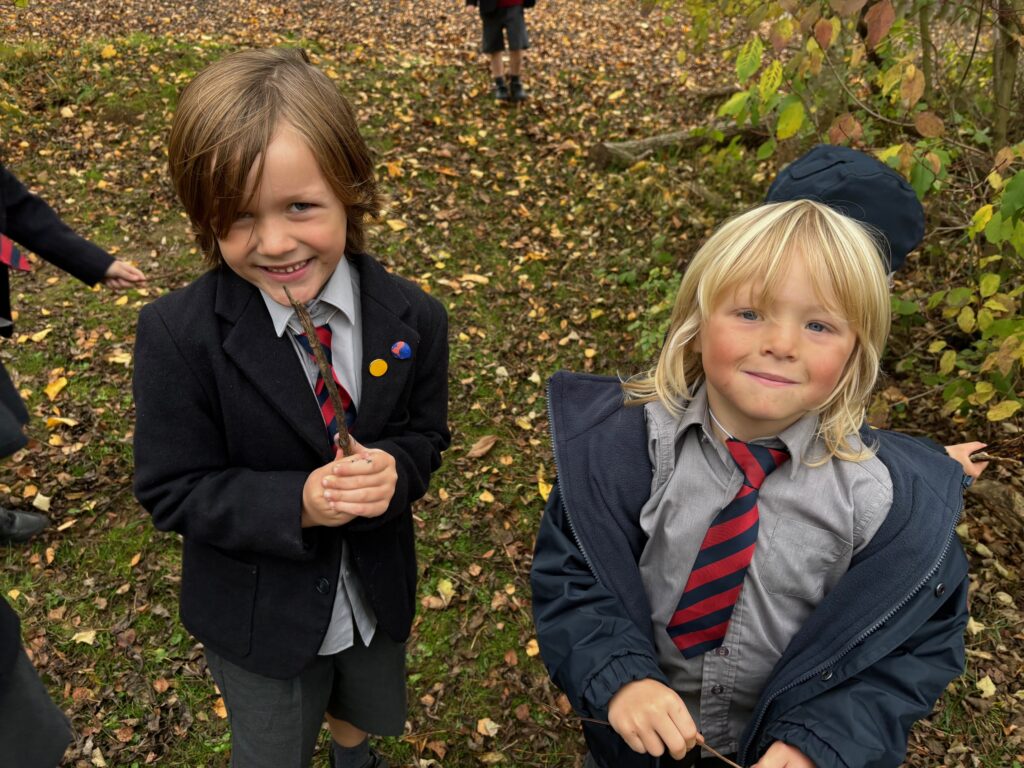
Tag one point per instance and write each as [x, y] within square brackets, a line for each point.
[817, 327]
[748, 314]
[300, 207]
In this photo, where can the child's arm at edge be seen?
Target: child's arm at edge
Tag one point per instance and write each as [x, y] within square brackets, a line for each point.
[589, 644]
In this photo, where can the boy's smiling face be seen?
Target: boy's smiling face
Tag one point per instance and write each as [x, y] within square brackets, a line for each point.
[766, 366]
[292, 231]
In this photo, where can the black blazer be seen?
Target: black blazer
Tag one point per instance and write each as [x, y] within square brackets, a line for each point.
[227, 432]
[30, 222]
[490, 6]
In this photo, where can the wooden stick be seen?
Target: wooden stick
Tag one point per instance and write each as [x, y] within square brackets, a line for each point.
[342, 439]
[988, 453]
[714, 752]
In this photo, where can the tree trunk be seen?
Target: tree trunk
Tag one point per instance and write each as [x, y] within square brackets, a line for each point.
[1007, 53]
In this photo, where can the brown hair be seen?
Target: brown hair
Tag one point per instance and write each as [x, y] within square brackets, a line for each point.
[226, 117]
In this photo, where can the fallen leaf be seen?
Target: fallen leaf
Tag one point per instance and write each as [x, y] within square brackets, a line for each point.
[532, 648]
[87, 636]
[482, 446]
[487, 497]
[487, 727]
[54, 387]
[987, 687]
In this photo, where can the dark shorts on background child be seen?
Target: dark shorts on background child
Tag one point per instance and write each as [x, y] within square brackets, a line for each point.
[276, 723]
[510, 20]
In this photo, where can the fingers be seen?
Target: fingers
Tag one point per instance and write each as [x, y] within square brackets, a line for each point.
[362, 484]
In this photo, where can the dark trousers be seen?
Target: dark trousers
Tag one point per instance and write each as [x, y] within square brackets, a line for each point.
[33, 732]
[691, 759]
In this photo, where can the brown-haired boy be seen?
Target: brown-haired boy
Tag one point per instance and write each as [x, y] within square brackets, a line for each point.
[298, 569]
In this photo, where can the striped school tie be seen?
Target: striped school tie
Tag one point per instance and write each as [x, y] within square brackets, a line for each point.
[11, 256]
[702, 616]
[323, 334]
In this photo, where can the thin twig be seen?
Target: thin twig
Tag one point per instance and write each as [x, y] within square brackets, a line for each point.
[713, 751]
[988, 453]
[342, 437]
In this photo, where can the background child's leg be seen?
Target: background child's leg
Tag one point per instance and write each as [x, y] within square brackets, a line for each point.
[497, 66]
[515, 63]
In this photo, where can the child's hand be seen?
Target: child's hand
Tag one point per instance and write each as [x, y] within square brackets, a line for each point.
[962, 453]
[781, 755]
[362, 484]
[651, 718]
[317, 509]
[121, 274]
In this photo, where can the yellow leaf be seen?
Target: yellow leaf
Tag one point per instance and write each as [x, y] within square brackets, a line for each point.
[56, 421]
[589, 352]
[120, 358]
[1002, 410]
[987, 687]
[67, 112]
[947, 361]
[966, 320]
[470, 277]
[121, 301]
[615, 96]
[219, 709]
[135, 559]
[487, 497]
[397, 225]
[524, 423]
[108, 52]
[544, 489]
[14, 594]
[87, 636]
[54, 387]
[39, 336]
[40, 502]
[532, 648]
[446, 590]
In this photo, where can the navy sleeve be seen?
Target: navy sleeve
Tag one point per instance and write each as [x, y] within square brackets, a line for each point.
[589, 644]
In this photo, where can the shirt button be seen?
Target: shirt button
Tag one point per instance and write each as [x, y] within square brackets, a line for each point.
[718, 690]
[323, 585]
[721, 651]
[940, 590]
[826, 675]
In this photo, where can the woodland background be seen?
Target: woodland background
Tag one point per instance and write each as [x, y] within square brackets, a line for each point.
[554, 232]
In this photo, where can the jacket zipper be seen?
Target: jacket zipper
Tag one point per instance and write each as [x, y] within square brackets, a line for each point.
[868, 632]
[561, 495]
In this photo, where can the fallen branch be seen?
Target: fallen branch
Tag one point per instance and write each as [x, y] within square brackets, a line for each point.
[622, 154]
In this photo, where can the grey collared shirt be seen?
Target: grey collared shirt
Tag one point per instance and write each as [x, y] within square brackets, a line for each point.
[336, 306]
[812, 521]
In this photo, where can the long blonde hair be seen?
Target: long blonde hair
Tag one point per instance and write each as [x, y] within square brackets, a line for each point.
[757, 248]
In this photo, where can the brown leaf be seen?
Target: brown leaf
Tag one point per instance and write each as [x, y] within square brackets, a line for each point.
[911, 87]
[929, 125]
[562, 702]
[522, 712]
[482, 446]
[823, 33]
[845, 128]
[879, 20]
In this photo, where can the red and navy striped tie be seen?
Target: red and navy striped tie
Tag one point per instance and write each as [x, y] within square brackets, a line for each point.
[11, 256]
[323, 334]
[702, 616]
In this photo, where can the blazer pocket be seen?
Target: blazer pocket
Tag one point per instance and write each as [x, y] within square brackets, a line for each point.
[800, 558]
[218, 598]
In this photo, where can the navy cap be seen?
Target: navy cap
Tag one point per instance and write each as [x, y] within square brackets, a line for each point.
[858, 185]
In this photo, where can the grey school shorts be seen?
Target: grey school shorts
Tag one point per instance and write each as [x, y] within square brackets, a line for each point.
[276, 723]
[511, 21]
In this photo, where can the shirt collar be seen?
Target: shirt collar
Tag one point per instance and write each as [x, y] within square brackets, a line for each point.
[337, 296]
[800, 438]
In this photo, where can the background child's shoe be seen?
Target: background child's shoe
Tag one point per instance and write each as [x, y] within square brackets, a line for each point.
[17, 525]
[500, 91]
[517, 92]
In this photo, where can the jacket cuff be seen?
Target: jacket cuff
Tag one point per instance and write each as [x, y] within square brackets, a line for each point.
[621, 668]
[799, 736]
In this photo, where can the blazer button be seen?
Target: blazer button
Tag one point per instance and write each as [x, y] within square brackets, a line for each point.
[826, 675]
[718, 690]
[322, 585]
[940, 590]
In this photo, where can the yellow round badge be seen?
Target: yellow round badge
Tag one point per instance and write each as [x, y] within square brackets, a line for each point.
[378, 367]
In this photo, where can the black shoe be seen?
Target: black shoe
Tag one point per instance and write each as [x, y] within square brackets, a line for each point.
[518, 93]
[374, 761]
[500, 90]
[17, 525]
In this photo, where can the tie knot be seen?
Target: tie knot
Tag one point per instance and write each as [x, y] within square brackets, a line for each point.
[756, 462]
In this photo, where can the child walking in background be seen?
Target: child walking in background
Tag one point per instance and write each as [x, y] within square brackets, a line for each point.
[498, 19]
[298, 570]
[729, 557]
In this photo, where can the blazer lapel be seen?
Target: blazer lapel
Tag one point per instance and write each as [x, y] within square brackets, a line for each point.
[268, 361]
[383, 307]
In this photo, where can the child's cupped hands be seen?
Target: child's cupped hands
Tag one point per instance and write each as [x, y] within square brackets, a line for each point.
[360, 485]
[651, 718]
[781, 755]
